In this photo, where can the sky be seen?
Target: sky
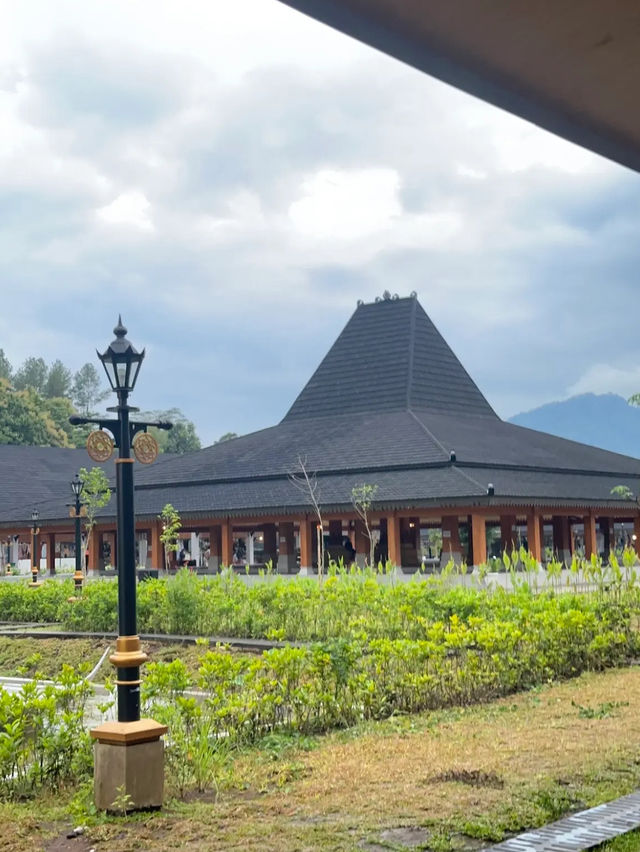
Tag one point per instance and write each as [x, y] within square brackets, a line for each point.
[233, 177]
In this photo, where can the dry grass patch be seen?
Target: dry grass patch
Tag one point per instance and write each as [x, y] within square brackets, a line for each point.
[481, 771]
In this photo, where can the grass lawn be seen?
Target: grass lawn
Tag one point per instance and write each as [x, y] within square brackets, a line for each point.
[455, 779]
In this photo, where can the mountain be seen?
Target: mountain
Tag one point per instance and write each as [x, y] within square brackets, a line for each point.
[602, 420]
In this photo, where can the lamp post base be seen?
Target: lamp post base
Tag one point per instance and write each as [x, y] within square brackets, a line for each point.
[128, 770]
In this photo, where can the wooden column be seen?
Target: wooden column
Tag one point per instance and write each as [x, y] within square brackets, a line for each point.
[307, 545]
[393, 541]
[451, 547]
[51, 553]
[508, 535]
[226, 553]
[590, 542]
[533, 535]
[361, 543]
[479, 539]
[636, 532]
[270, 543]
[94, 545]
[286, 548]
[157, 549]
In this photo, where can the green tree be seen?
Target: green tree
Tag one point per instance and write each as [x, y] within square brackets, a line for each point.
[25, 419]
[362, 496]
[32, 374]
[95, 495]
[182, 438]
[59, 381]
[87, 390]
[226, 437]
[6, 370]
[171, 525]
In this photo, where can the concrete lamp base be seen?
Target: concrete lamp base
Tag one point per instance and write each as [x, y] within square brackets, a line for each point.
[129, 765]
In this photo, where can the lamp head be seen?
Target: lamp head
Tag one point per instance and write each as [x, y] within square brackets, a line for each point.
[76, 485]
[121, 361]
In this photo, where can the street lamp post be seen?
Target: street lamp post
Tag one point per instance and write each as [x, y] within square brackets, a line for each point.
[139, 769]
[76, 490]
[35, 561]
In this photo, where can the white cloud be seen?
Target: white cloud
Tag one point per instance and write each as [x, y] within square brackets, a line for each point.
[130, 209]
[605, 378]
[344, 205]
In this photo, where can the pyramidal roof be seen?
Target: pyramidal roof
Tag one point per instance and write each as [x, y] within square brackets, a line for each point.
[389, 357]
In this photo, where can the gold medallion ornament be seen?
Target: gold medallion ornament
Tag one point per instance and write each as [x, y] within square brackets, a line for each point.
[145, 447]
[99, 445]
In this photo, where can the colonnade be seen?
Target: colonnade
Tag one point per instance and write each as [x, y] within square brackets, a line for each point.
[291, 543]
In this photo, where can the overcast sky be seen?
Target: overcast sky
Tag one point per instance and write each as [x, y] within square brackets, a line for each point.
[233, 177]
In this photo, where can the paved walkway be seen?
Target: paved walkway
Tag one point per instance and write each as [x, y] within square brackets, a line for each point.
[580, 831]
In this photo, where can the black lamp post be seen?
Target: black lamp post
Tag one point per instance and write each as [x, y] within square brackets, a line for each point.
[122, 364]
[76, 490]
[34, 557]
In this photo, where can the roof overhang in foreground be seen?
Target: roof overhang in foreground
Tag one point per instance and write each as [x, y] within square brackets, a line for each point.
[571, 68]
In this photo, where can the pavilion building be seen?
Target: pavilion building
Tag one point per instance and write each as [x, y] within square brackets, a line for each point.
[392, 407]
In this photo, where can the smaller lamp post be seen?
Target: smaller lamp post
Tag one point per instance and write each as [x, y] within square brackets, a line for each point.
[76, 490]
[34, 551]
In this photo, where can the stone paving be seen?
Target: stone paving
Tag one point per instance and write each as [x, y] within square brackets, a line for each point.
[580, 831]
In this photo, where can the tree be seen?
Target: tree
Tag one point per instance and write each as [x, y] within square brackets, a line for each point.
[32, 374]
[623, 491]
[87, 390]
[182, 438]
[171, 525]
[6, 370]
[307, 483]
[226, 437]
[95, 495]
[362, 497]
[59, 381]
[25, 419]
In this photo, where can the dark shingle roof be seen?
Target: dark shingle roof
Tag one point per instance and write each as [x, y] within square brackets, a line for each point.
[387, 406]
[389, 357]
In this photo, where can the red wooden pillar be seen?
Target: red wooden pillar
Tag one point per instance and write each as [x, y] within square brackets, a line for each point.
[533, 535]
[636, 532]
[479, 539]
[393, 541]
[307, 544]
[508, 536]
[451, 547]
[157, 550]
[590, 542]
[227, 542]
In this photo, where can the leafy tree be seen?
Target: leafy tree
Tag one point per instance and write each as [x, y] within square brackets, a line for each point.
[6, 370]
[32, 374]
[622, 491]
[226, 437]
[58, 382]
[182, 438]
[25, 420]
[171, 525]
[95, 495]
[87, 390]
[362, 496]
